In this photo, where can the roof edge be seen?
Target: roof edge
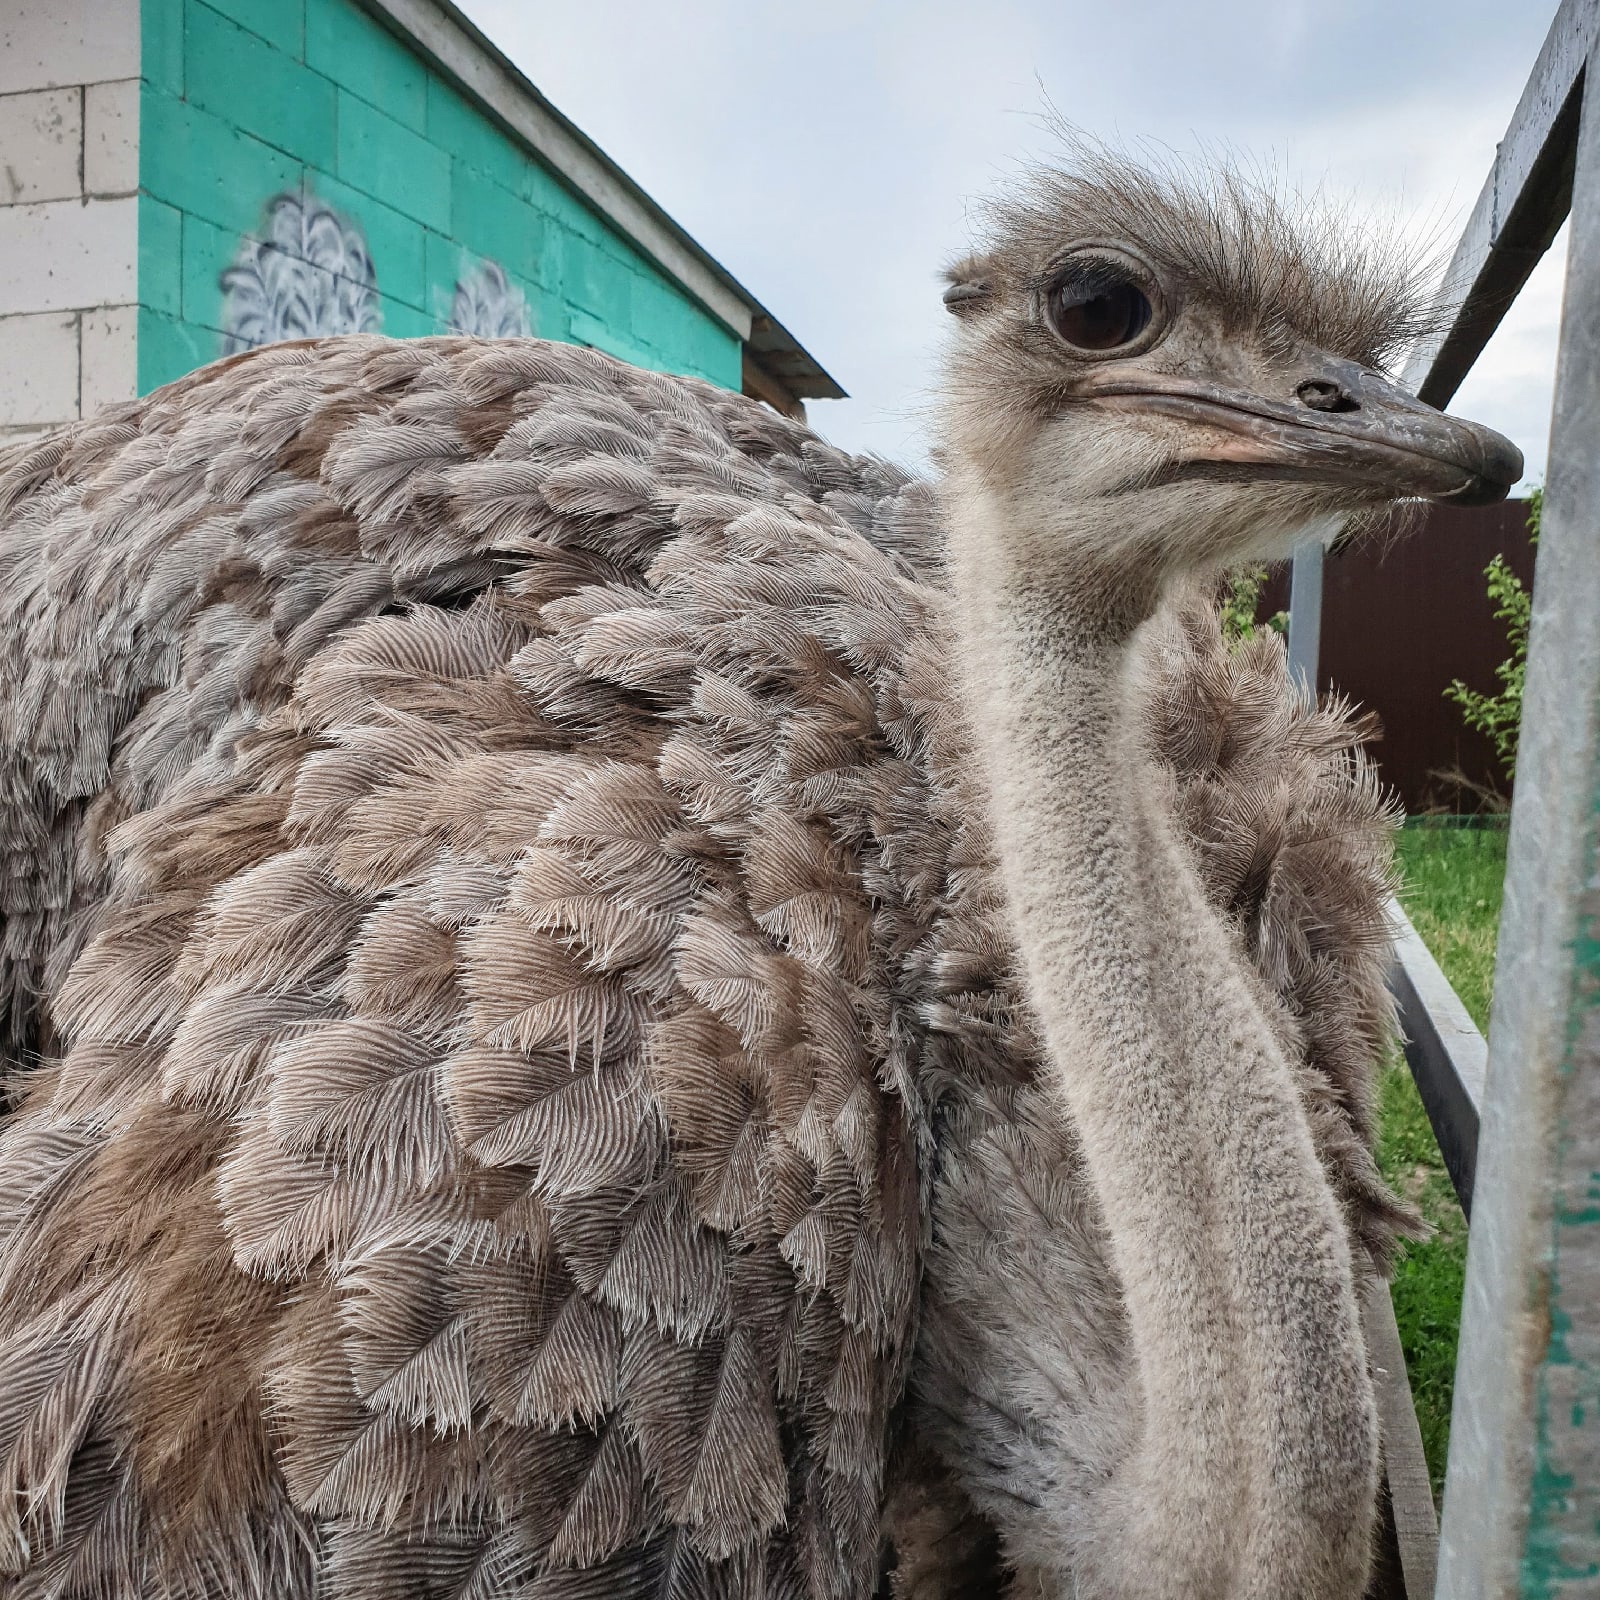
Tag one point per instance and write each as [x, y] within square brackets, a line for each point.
[460, 50]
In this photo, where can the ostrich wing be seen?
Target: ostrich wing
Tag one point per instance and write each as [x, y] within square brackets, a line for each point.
[483, 1152]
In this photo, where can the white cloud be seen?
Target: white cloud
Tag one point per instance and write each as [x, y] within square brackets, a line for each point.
[826, 152]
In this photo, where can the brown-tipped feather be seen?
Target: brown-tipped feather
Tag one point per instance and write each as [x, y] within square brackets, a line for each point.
[492, 861]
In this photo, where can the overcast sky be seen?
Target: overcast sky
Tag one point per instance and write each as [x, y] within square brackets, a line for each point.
[825, 151]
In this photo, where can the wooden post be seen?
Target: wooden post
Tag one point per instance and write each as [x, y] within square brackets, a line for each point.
[1446, 1053]
[1411, 1534]
[1522, 1502]
[1305, 615]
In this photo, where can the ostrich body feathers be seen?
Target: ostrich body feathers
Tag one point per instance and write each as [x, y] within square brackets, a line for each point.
[520, 1079]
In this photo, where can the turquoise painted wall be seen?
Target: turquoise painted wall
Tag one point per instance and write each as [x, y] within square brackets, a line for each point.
[244, 101]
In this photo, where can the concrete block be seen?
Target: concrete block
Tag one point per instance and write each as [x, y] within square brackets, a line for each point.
[356, 50]
[609, 337]
[203, 165]
[68, 254]
[401, 321]
[279, 22]
[252, 85]
[161, 231]
[41, 146]
[385, 159]
[207, 252]
[108, 357]
[161, 45]
[38, 370]
[168, 348]
[48, 44]
[597, 282]
[457, 125]
[111, 137]
[20, 434]
[396, 245]
[492, 222]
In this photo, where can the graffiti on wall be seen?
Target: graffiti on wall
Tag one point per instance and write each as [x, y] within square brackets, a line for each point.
[309, 274]
[487, 304]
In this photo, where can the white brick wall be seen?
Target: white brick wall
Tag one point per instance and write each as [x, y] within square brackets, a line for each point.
[41, 146]
[41, 360]
[69, 177]
[111, 137]
[50, 44]
[106, 348]
[68, 255]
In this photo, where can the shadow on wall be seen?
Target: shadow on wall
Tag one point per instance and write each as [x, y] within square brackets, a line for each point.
[310, 274]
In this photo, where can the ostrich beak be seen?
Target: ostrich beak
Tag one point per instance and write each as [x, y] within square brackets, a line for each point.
[1344, 424]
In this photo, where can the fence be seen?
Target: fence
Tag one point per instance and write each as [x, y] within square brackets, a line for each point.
[1403, 617]
[1519, 1120]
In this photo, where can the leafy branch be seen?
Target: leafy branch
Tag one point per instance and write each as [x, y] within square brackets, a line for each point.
[1498, 716]
[1237, 611]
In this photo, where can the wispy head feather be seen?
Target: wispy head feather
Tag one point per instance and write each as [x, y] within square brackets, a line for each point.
[1286, 265]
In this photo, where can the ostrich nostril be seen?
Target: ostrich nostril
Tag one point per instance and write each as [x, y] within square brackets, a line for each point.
[1322, 395]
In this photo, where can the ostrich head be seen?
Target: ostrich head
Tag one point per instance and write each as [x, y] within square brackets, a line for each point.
[1154, 375]
[1155, 372]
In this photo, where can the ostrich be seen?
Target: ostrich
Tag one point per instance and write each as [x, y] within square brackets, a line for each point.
[606, 1000]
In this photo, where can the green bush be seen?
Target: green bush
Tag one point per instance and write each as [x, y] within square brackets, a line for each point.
[1239, 603]
[1499, 716]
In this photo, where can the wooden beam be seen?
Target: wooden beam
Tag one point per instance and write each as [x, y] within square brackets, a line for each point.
[1305, 616]
[1522, 1504]
[760, 384]
[1521, 209]
[1412, 1524]
[1446, 1053]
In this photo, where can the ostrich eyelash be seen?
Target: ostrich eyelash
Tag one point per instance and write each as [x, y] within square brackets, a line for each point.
[1087, 276]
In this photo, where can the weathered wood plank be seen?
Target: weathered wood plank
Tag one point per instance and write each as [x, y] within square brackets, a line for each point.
[1521, 209]
[1522, 1503]
[1414, 1527]
[1446, 1053]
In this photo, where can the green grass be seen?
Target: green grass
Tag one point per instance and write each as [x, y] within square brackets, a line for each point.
[1451, 892]
[1451, 879]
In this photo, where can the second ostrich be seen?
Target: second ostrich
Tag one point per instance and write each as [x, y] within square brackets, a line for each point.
[608, 1001]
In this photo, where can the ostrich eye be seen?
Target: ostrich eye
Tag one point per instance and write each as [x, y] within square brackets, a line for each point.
[1099, 311]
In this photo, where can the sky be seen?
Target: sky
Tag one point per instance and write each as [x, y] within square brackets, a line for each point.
[828, 152]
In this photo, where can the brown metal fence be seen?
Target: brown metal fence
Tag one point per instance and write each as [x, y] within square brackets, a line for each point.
[1401, 618]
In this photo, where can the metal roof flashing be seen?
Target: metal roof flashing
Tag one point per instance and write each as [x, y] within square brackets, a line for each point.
[454, 45]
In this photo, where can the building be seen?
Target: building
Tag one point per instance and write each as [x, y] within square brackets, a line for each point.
[180, 179]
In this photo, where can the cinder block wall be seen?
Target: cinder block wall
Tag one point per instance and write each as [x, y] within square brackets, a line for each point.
[182, 178]
[69, 96]
[298, 162]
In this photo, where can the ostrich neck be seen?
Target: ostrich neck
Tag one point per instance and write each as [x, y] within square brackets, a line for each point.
[1253, 1465]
